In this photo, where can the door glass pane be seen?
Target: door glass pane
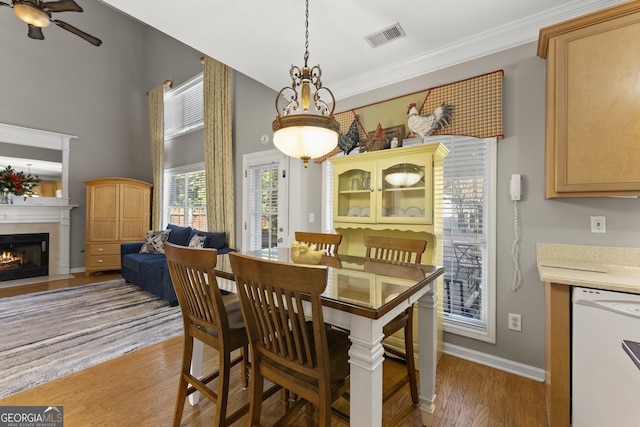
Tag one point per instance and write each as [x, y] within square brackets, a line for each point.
[262, 220]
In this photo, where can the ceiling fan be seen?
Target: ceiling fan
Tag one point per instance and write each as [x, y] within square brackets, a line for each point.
[37, 15]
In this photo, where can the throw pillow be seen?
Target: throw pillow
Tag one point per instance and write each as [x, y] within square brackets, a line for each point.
[154, 242]
[179, 235]
[196, 241]
[215, 240]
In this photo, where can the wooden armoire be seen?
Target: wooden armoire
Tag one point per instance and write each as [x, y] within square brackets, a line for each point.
[118, 211]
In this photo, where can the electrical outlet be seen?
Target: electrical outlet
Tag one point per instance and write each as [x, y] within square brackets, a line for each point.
[515, 322]
[599, 224]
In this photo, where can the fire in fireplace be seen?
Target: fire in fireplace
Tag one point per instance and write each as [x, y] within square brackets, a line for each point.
[24, 255]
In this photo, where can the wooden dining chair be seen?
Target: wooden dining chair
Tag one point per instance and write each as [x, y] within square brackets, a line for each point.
[211, 318]
[328, 241]
[406, 251]
[288, 349]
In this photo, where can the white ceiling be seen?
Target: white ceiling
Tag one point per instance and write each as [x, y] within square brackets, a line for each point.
[262, 38]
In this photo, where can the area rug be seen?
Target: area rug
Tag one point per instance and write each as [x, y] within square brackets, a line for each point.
[47, 335]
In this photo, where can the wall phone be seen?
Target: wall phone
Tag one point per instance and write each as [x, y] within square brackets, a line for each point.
[516, 186]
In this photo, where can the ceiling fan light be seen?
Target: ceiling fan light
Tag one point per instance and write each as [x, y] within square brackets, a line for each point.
[31, 15]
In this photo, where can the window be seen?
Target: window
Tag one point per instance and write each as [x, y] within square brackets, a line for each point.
[469, 236]
[468, 233]
[185, 196]
[184, 108]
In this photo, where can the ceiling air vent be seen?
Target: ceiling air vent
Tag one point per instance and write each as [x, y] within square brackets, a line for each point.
[386, 35]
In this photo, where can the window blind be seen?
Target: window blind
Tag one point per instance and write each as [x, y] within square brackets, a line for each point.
[185, 197]
[184, 108]
[262, 218]
[465, 208]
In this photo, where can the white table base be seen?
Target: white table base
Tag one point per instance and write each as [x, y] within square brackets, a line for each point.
[366, 356]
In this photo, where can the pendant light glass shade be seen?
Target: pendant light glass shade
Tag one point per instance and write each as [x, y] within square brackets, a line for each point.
[305, 136]
[297, 132]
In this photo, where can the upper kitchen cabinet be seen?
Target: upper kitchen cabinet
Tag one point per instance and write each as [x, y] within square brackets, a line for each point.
[593, 104]
[387, 188]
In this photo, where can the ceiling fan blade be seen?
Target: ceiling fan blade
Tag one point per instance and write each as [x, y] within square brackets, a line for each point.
[62, 6]
[88, 37]
[35, 32]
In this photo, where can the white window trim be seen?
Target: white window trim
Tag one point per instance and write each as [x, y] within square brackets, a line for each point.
[488, 333]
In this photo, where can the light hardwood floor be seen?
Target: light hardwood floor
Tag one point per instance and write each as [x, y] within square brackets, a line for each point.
[138, 389]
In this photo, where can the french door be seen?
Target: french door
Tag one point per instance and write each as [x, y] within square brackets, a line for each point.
[265, 200]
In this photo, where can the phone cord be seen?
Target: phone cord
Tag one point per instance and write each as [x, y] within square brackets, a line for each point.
[515, 248]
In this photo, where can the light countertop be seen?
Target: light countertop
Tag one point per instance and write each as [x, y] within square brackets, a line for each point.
[600, 267]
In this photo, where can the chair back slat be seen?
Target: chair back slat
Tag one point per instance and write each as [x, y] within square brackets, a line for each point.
[394, 249]
[328, 241]
[271, 296]
[194, 280]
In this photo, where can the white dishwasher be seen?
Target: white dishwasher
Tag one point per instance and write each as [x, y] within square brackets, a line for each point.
[605, 381]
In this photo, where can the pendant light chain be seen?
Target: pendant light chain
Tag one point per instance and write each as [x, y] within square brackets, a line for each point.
[297, 132]
[306, 34]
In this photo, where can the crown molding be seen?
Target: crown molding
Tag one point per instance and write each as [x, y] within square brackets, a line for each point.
[510, 35]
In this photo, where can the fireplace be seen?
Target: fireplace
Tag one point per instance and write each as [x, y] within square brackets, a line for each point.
[24, 255]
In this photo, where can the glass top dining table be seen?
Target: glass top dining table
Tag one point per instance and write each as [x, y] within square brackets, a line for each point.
[363, 295]
[368, 287]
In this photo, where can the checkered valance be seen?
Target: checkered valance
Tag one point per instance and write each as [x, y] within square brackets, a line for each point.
[477, 111]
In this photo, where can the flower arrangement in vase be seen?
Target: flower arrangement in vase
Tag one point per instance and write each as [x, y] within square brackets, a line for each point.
[16, 183]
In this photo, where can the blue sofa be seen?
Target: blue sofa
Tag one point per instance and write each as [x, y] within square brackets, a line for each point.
[150, 270]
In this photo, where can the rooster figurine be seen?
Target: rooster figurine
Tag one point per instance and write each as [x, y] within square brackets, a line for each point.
[422, 126]
[348, 141]
[378, 142]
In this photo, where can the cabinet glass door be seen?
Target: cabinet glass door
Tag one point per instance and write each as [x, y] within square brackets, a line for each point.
[403, 195]
[353, 198]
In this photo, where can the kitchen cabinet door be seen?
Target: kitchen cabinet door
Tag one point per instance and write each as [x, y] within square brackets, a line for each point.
[592, 106]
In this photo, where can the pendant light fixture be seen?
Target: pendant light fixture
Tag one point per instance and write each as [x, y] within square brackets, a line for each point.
[296, 131]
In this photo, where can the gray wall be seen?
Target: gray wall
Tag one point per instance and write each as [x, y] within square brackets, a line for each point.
[64, 84]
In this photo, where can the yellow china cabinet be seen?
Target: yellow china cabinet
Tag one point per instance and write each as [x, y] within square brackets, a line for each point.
[396, 193]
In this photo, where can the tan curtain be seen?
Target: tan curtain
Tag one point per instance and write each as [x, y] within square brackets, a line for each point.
[218, 149]
[156, 130]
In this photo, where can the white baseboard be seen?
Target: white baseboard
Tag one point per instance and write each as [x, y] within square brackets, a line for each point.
[507, 365]
[77, 270]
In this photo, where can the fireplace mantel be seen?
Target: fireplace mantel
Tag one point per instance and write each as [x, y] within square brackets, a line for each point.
[42, 214]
